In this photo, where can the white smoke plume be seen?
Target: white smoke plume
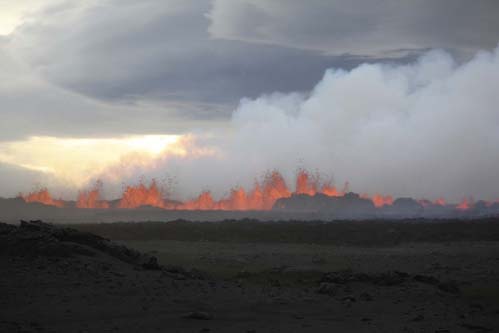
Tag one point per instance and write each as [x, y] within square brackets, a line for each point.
[426, 129]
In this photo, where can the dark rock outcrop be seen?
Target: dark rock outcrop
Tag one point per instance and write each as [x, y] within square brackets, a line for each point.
[36, 238]
[349, 205]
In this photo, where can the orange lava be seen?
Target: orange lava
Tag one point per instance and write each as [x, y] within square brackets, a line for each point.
[464, 204]
[379, 200]
[42, 196]
[305, 184]
[91, 199]
[262, 196]
[440, 202]
[141, 195]
[203, 202]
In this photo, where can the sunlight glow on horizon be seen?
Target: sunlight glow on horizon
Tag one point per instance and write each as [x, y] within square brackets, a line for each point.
[78, 160]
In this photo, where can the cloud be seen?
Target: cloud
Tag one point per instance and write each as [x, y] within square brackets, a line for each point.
[14, 13]
[160, 53]
[187, 63]
[32, 106]
[120, 67]
[15, 179]
[376, 28]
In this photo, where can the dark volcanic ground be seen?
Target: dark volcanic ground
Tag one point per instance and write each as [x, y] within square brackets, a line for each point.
[63, 280]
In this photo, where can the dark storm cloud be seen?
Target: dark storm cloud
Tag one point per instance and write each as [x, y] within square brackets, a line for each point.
[31, 106]
[150, 51]
[358, 26]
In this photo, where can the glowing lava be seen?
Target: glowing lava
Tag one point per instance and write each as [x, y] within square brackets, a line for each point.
[379, 200]
[42, 196]
[464, 204]
[91, 198]
[140, 195]
[262, 196]
[305, 184]
[440, 202]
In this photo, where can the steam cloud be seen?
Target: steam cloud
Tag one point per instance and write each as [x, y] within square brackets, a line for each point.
[426, 129]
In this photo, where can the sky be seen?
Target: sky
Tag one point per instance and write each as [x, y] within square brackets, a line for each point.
[392, 96]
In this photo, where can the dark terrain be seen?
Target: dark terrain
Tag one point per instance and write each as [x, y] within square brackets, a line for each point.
[248, 276]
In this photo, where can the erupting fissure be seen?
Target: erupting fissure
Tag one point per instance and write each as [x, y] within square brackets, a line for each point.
[91, 198]
[42, 196]
[137, 196]
[465, 204]
[262, 196]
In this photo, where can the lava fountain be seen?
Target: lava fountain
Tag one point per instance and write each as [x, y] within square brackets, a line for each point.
[262, 196]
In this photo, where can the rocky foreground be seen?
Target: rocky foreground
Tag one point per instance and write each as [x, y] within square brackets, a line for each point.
[57, 279]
